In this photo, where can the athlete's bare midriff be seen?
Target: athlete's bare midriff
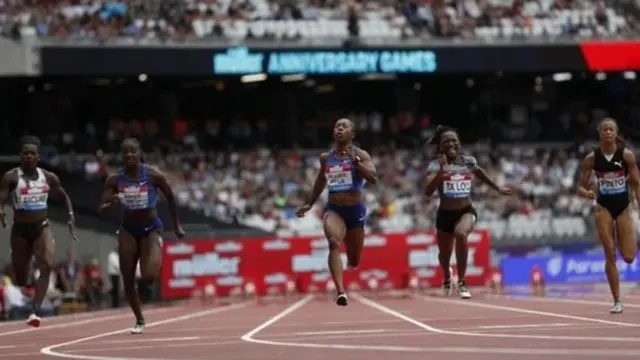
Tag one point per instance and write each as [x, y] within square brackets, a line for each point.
[454, 204]
[28, 217]
[139, 215]
[348, 198]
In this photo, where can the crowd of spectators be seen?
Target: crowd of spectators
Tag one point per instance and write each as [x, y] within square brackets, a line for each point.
[285, 19]
[263, 188]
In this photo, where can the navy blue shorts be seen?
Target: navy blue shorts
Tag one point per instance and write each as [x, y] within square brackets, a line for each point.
[142, 229]
[353, 215]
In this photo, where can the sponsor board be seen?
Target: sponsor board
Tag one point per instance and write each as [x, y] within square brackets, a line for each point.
[269, 262]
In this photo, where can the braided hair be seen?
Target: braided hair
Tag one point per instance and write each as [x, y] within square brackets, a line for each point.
[621, 142]
[437, 137]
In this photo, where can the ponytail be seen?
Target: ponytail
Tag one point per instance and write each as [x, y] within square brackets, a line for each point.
[621, 143]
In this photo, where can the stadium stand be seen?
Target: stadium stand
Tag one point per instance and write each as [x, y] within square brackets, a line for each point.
[521, 80]
[309, 20]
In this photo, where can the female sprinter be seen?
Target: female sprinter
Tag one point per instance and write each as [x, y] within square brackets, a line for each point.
[612, 163]
[344, 170]
[451, 175]
[31, 235]
[134, 188]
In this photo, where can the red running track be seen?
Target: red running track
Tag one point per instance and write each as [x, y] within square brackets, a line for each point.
[486, 328]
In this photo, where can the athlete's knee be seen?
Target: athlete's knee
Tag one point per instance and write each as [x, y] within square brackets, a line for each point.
[628, 258]
[610, 255]
[461, 237]
[334, 243]
[353, 259]
[150, 273]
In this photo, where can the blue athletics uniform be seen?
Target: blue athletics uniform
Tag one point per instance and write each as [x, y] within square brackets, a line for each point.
[456, 184]
[342, 176]
[135, 195]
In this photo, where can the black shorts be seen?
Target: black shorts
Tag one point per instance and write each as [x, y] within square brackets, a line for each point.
[28, 231]
[615, 206]
[446, 220]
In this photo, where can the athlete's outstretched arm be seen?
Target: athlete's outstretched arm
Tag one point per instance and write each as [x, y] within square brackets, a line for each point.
[435, 171]
[482, 175]
[56, 186]
[366, 168]
[321, 181]
[634, 177]
[585, 175]
[5, 188]
[109, 194]
[160, 179]
[318, 187]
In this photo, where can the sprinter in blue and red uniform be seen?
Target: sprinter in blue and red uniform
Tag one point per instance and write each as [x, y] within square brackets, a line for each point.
[343, 171]
[615, 168]
[135, 188]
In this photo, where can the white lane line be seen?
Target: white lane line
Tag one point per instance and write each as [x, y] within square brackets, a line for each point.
[50, 350]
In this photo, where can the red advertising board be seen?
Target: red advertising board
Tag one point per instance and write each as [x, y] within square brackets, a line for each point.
[269, 262]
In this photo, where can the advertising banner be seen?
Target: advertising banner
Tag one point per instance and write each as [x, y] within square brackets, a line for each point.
[564, 269]
[270, 262]
[335, 61]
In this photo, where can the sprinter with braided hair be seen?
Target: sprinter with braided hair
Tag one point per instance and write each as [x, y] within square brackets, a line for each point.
[615, 168]
[451, 174]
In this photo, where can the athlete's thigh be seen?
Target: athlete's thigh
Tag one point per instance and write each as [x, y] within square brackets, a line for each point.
[44, 247]
[604, 228]
[627, 235]
[334, 226]
[128, 253]
[150, 254]
[465, 225]
[21, 254]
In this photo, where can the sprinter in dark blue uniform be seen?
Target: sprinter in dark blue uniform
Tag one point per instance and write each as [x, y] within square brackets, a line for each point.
[135, 188]
[615, 169]
[343, 171]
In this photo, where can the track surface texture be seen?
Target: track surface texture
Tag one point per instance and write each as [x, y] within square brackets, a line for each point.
[372, 327]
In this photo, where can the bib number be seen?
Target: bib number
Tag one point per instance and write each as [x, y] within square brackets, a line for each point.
[339, 180]
[612, 186]
[137, 200]
[457, 188]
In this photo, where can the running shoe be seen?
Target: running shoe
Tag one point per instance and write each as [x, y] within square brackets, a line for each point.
[33, 320]
[463, 291]
[138, 327]
[342, 300]
[617, 308]
[446, 287]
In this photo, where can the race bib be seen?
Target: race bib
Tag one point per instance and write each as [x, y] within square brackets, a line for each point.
[612, 185]
[339, 178]
[33, 198]
[134, 197]
[456, 188]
